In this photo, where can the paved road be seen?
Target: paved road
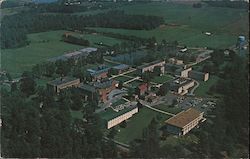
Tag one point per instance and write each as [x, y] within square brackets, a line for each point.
[194, 88]
[157, 110]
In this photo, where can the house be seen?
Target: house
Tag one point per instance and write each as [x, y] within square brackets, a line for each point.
[150, 66]
[142, 89]
[113, 118]
[61, 83]
[181, 85]
[200, 76]
[99, 88]
[120, 68]
[184, 121]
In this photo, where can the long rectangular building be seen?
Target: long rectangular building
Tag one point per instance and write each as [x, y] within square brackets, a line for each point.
[63, 82]
[184, 121]
[150, 66]
[113, 118]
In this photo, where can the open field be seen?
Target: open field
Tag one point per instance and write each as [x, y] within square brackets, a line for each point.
[136, 124]
[202, 90]
[186, 24]
[42, 46]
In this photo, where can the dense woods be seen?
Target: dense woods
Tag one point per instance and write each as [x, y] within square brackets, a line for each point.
[74, 40]
[15, 27]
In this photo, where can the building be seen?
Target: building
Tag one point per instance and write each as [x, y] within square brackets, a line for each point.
[100, 88]
[99, 73]
[113, 118]
[120, 68]
[200, 76]
[82, 53]
[181, 85]
[61, 83]
[183, 72]
[150, 66]
[175, 61]
[142, 89]
[184, 121]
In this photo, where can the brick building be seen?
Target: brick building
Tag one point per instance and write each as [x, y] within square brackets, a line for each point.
[101, 89]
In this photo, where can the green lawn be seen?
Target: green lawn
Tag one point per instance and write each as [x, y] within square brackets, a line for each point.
[122, 78]
[166, 108]
[162, 79]
[204, 86]
[136, 124]
[76, 114]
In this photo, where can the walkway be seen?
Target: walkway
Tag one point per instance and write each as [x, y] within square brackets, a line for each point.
[121, 74]
[195, 87]
[157, 110]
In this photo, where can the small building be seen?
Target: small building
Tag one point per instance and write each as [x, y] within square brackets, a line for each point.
[142, 89]
[150, 66]
[100, 88]
[120, 68]
[200, 76]
[62, 83]
[184, 121]
[175, 61]
[113, 118]
[181, 85]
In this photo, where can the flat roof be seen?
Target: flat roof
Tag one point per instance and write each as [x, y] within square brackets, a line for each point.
[121, 67]
[111, 114]
[62, 80]
[151, 63]
[183, 118]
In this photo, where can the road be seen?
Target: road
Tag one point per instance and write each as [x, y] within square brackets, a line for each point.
[121, 145]
[194, 88]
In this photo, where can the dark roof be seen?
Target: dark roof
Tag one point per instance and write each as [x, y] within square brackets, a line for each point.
[62, 80]
[121, 67]
[149, 64]
[98, 72]
[183, 118]
[87, 87]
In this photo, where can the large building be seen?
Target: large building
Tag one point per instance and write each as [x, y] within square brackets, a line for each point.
[183, 72]
[113, 118]
[181, 85]
[61, 83]
[101, 88]
[184, 121]
[120, 68]
[150, 66]
[200, 76]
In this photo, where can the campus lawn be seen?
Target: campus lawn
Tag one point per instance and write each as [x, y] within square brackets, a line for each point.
[76, 114]
[136, 124]
[122, 78]
[168, 108]
[162, 79]
[204, 87]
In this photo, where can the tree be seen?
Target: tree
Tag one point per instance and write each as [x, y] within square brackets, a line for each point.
[112, 133]
[27, 86]
[120, 85]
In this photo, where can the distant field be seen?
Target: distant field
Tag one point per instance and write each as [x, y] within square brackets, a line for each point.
[43, 46]
[186, 24]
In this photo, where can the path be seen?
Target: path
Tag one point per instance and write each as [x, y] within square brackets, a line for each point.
[110, 61]
[194, 88]
[119, 144]
[121, 74]
[157, 110]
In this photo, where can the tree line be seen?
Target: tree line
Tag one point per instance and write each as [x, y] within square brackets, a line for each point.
[74, 40]
[14, 28]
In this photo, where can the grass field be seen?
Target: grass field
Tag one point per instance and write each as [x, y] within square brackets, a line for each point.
[136, 124]
[166, 108]
[122, 79]
[42, 46]
[202, 90]
[189, 23]
[161, 79]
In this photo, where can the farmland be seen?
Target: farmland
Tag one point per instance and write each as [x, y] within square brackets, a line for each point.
[42, 46]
